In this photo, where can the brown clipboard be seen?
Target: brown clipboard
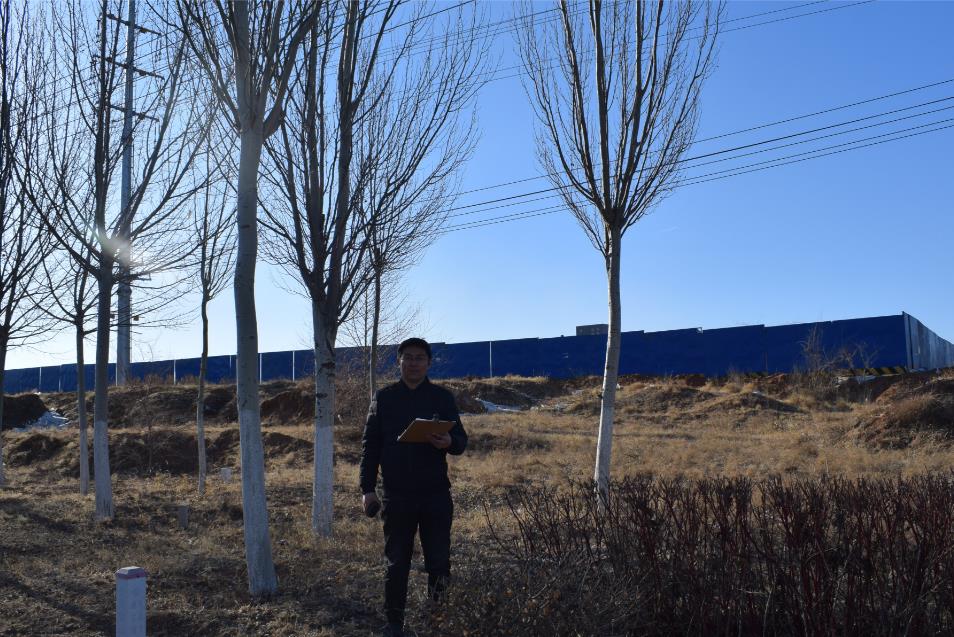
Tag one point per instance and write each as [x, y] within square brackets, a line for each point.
[417, 431]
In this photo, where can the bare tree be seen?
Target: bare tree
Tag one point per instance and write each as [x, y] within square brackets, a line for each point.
[215, 237]
[73, 301]
[383, 314]
[23, 243]
[81, 213]
[320, 226]
[255, 47]
[408, 185]
[616, 91]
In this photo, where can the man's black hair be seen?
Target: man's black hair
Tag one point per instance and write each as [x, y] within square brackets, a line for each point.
[415, 342]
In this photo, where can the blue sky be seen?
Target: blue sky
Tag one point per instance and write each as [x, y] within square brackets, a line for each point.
[861, 233]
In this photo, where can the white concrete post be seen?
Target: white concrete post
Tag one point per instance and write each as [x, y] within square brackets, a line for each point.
[226, 474]
[131, 602]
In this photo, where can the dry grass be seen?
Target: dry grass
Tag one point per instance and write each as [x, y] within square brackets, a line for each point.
[57, 564]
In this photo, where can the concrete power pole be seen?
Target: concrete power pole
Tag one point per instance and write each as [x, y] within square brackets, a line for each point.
[124, 288]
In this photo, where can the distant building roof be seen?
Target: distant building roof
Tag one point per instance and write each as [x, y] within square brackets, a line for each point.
[592, 330]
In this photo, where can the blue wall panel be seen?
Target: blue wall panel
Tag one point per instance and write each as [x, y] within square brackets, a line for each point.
[670, 352]
[927, 350]
[517, 356]
[733, 349]
[16, 381]
[351, 360]
[50, 378]
[152, 370]
[460, 359]
[187, 369]
[569, 356]
[387, 361]
[304, 363]
[785, 346]
[68, 377]
[276, 365]
[220, 369]
[354, 360]
[632, 349]
[875, 342]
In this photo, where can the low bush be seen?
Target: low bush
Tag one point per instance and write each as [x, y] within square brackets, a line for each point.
[715, 557]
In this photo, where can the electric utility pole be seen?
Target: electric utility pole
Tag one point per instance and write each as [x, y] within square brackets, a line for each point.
[124, 288]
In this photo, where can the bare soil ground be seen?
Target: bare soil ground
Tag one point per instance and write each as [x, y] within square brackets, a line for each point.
[57, 564]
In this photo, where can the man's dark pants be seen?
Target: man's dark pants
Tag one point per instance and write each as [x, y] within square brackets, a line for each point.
[403, 515]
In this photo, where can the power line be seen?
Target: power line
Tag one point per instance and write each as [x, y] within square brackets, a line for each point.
[523, 196]
[777, 163]
[827, 110]
[728, 150]
[835, 152]
[167, 67]
[491, 79]
[740, 28]
[556, 193]
[723, 135]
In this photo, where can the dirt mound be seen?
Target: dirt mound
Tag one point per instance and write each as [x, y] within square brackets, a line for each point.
[292, 406]
[507, 391]
[776, 384]
[225, 447]
[174, 406]
[509, 438]
[142, 452]
[661, 398]
[915, 385]
[693, 380]
[466, 403]
[910, 407]
[279, 445]
[147, 405]
[36, 447]
[898, 424]
[584, 402]
[220, 403]
[748, 401]
[162, 450]
[639, 398]
[22, 409]
[129, 452]
[120, 401]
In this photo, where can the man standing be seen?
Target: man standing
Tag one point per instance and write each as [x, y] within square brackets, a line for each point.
[413, 476]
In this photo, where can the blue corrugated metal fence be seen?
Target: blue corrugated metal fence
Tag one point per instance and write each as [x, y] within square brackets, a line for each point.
[883, 341]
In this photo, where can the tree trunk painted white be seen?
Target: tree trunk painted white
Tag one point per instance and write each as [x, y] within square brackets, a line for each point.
[81, 409]
[604, 443]
[200, 399]
[103, 482]
[258, 546]
[322, 506]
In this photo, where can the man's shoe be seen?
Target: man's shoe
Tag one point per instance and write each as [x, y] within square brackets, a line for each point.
[392, 630]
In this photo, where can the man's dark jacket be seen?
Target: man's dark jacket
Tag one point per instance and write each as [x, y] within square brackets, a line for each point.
[408, 468]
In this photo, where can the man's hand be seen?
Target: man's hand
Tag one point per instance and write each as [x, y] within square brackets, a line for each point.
[370, 504]
[440, 441]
